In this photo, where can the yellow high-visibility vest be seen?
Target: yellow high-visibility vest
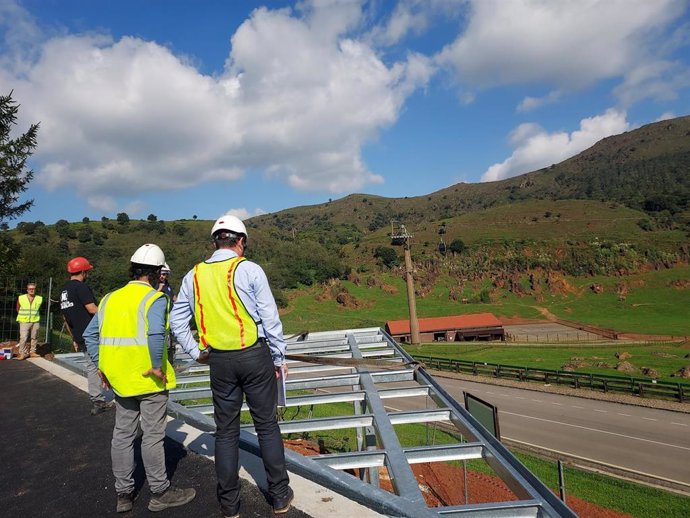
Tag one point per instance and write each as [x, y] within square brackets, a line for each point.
[28, 310]
[123, 347]
[221, 318]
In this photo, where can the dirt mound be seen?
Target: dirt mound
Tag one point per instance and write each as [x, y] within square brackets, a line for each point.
[626, 367]
[623, 356]
[680, 284]
[682, 373]
[334, 290]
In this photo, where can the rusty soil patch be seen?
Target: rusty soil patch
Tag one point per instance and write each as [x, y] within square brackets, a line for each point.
[444, 485]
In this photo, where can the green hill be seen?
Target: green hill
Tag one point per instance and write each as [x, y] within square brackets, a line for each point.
[616, 210]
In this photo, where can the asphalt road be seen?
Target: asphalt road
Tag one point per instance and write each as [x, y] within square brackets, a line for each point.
[647, 440]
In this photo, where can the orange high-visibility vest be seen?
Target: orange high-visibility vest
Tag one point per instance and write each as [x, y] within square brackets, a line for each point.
[221, 318]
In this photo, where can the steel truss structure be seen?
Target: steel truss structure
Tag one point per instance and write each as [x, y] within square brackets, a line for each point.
[359, 392]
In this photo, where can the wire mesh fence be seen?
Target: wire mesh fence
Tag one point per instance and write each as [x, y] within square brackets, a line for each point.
[52, 330]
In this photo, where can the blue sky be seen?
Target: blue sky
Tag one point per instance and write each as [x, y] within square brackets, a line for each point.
[182, 108]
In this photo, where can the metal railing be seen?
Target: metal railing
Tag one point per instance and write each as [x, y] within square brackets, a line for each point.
[356, 397]
[643, 387]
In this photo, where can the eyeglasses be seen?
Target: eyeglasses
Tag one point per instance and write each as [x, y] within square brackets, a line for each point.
[164, 274]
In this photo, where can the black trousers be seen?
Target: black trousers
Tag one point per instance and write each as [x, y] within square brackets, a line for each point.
[236, 374]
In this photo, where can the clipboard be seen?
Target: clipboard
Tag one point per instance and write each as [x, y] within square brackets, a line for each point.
[281, 392]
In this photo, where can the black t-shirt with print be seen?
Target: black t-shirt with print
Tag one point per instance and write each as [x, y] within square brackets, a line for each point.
[74, 296]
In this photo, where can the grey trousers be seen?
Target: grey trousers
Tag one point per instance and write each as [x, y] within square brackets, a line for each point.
[26, 330]
[96, 394]
[150, 409]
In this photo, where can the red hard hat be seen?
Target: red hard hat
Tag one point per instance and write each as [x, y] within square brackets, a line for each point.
[78, 264]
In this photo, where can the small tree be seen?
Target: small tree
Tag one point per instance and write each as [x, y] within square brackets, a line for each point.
[151, 218]
[457, 246]
[386, 256]
[123, 218]
[14, 175]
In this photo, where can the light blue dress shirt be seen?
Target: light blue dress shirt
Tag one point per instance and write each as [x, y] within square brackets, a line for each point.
[253, 289]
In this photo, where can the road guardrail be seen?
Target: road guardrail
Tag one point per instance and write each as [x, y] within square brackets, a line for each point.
[643, 387]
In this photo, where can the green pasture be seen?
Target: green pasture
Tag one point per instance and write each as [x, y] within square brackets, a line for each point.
[666, 358]
[655, 303]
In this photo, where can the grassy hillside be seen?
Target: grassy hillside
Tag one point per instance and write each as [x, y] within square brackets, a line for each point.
[656, 302]
[645, 169]
[540, 239]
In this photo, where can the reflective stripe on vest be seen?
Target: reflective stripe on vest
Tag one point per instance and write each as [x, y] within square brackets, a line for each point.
[29, 310]
[221, 318]
[123, 346]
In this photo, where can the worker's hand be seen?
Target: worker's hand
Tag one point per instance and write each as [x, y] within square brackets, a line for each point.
[104, 380]
[75, 346]
[158, 373]
[285, 371]
[203, 357]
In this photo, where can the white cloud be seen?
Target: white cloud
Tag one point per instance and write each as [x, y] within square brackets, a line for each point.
[243, 213]
[535, 148]
[568, 45]
[298, 99]
[666, 116]
[531, 103]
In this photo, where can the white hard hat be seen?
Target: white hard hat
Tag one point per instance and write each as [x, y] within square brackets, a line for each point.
[149, 254]
[230, 223]
[166, 268]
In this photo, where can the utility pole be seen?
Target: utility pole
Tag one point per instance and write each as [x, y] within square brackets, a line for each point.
[400, 236]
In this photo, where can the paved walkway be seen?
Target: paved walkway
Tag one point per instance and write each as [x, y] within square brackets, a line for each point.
[55, 458]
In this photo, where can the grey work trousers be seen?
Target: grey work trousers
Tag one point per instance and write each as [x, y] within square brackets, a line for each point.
[150, 409]
[96, 394]
[27, 330]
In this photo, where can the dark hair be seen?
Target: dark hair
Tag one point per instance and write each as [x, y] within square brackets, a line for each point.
[225, 239]
[137, 271]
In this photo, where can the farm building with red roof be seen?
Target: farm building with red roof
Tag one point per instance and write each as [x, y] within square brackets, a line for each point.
[478, 326]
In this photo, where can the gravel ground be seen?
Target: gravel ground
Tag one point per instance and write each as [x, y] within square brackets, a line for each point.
[568, 391]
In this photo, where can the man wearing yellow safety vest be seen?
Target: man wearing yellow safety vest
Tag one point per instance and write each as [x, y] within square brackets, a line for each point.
[241, 338]
[125, 339]
[28, 316]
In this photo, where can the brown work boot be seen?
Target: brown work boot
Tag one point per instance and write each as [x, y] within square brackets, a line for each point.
[171, 497]
[22, 357]
[34, 355]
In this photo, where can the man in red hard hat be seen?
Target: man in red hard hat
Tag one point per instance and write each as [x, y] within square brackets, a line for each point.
[78, 306]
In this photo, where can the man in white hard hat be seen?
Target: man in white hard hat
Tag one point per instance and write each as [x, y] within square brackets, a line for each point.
[241, 338]
[164, 283]
[133, 360]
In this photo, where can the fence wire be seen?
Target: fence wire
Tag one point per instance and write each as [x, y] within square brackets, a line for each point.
[51, 325]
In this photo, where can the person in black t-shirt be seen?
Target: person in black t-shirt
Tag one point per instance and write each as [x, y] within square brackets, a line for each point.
[78, 306]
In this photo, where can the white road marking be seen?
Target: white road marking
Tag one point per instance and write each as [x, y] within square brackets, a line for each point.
[602, 411]
[679, 424]
[626, 415]
[537, 400]
[579, 407]
[518, 397]
[559, 404]
[649, 419]
[600, 431]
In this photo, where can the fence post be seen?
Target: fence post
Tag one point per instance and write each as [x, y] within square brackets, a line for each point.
[680, 392]
[641, 389]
